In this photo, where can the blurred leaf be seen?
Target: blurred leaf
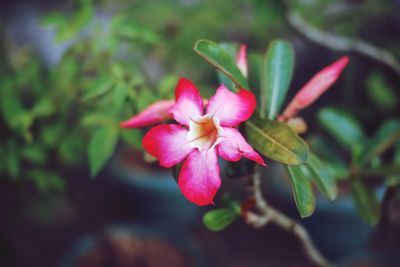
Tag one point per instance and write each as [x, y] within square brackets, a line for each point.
[101, 147]
[119, 94]
[145, 98]
[80, 19]
[118, 72]
[53, 19]
[366, 203]
[302, 191]
[277, 141]
[71, 149]
[380, 92]
[323, 178]
[221, 59]
[133, 137]
[387, 135]
[52, 133]
[278, 72]
[34, 153]
[342, 126]
[97, 119]
[46, 180]
[43, 108]
[218, 219]
[98, 88]
[166, 87]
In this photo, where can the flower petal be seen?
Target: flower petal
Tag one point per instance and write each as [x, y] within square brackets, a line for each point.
[153, 114]
[229, 108]
[168, 143]
[189, 104]
[232, 146]
[241, 59]
[315, 87]
[199, 178]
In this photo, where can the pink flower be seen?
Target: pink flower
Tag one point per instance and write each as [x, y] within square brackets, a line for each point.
[314, 88]
[160, 110]
[200, 136]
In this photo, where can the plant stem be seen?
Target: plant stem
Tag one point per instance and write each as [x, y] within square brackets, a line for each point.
[337, 42]
[269, 214]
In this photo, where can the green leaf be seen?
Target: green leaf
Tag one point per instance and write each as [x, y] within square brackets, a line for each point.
[302, 190]
[277, 141]
[132, 137]
[278, 72]
[342, 126]
[98, 88]
[34, 153]
[221, 59]
[365, 202]
[322, 177]
[43, 108]
[218, 219]
[256, 63]
[387, 135]
[101, 148]
[381, 94]
[53, 19]
[223, 79]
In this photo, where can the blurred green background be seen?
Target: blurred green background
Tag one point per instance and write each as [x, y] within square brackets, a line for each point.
[71, 71]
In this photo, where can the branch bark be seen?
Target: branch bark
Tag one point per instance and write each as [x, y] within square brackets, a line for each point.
[268, 214]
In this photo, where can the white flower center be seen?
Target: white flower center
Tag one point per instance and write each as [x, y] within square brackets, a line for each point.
[203, 132]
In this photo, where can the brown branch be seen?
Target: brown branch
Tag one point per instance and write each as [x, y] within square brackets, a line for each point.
[268, 214]
[337, 42]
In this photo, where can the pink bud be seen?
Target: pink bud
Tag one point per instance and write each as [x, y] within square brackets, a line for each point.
[315, 87]
[241, 59]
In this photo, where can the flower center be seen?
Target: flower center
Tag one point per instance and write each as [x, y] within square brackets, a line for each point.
[203, 132]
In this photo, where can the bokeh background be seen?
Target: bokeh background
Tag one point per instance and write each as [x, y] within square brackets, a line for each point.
[76, 190]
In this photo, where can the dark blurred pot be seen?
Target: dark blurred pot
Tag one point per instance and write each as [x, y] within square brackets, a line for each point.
[136, 245]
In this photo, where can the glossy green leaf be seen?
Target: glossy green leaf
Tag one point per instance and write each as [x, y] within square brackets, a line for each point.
[278, 72]
[302, 190]
[276, 141]
[322, 177]
[221, 59]
[387, 135]
[101, 148]
[365, 202]
[255, 62]
[342, 126]
[223, 79]
[218, 219]
[98, 88]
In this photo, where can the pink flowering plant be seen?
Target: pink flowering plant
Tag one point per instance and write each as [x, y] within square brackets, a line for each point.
[190, 133]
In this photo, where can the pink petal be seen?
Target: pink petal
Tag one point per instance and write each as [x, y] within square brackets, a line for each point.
[315, 87]
[189, 104]
[241, 59]
[232, 146]
[168, 143]
[229, 108]
[153, 114]
[199, 178]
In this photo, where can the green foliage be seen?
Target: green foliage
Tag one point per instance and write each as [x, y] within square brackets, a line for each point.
[278, 72]
[342, 126]
[365, 202]
[302, 190]
[219, 219]
[221, 59]
[277, 141]
[101, 147]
